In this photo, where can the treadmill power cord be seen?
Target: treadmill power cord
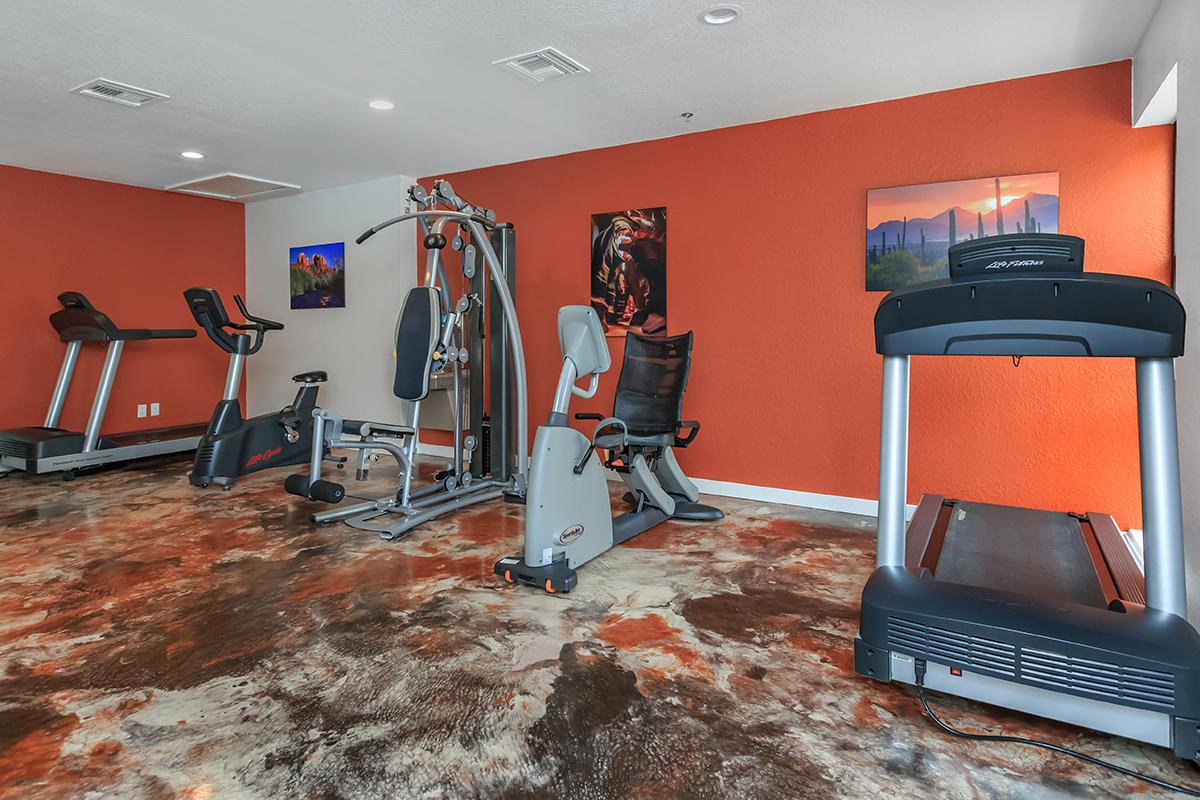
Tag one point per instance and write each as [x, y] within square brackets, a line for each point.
[992, 737]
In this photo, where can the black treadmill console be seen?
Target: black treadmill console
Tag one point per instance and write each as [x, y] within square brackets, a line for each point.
[1027, 295]
[80, 321]
[1017, 252]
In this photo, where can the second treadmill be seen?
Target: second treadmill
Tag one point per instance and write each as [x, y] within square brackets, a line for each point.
[49, 448]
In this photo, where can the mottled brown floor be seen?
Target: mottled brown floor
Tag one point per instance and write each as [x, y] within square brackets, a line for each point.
[162, 641]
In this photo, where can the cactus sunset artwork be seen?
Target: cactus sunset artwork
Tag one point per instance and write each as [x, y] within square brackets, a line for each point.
[910, 228]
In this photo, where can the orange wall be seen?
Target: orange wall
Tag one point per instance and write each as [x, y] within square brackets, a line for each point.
[132, 251]
[765, 255]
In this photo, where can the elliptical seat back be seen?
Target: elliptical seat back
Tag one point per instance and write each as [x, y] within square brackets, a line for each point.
[653, 380]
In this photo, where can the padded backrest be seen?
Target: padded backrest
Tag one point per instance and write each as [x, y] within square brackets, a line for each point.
[581, 339]
[417, 332]
[653, 379]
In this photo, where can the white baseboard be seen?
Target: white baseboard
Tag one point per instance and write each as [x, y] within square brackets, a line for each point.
[794, 497]
[1135, 541]
[439, 450]
[743, 491]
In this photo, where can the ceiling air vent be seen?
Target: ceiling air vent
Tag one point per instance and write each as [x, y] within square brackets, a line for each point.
[542, 64]
[115, 92]
[232, 186]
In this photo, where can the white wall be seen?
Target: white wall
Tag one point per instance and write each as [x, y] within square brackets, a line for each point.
[1173, 38]
[353, 344]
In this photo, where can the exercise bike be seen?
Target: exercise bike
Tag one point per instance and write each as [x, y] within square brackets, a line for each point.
[234, 446]
[568, 518]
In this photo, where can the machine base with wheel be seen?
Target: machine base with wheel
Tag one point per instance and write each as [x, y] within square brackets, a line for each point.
[554, 577]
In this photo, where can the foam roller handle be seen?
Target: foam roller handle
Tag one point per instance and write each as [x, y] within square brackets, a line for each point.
[326, 491]
[296, 484]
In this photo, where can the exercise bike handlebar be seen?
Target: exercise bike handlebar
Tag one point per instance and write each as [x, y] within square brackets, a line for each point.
[209, 312]
[257, 323]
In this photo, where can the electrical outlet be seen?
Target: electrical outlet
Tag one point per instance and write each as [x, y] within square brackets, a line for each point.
[154, 409]
[141, 410]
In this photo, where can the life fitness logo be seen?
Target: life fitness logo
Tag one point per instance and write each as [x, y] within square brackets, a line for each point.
[570, 534]
[1009, 264]
[265, 455]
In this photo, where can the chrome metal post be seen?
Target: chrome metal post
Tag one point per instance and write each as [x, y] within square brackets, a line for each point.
[108, 375]
[893, 463]
[233, 378]
[318, 446]
[1162, 508]
[65, 373]
[410, 457]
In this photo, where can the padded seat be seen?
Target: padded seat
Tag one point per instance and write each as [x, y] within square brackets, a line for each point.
[368, 428]
[315, 376]
[646, 439]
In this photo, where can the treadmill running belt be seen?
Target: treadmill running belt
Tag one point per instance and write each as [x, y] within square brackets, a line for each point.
[1039, 553]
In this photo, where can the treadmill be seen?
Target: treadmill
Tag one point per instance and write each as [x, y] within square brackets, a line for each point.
[1043, 612]
[48, 448]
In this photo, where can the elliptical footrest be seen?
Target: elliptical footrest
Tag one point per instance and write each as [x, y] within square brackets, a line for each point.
[554, 578]
[696, 511]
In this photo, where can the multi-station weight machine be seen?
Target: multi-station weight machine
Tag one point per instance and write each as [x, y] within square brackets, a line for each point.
[477, 340]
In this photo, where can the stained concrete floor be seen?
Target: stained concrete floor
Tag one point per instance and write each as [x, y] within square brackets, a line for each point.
[160, 641]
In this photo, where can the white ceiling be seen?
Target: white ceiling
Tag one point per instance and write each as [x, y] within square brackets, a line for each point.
[279, 88]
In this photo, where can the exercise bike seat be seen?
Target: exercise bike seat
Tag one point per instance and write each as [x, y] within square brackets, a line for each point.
[315, 376]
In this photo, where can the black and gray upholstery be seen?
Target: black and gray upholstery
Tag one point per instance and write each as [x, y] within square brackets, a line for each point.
[649, 395]
[417, 333]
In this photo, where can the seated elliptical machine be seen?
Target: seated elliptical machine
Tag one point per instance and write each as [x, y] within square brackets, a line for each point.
[234, 446]
[48, 448]
[568, 516]
[1043, 612]
[490, 451]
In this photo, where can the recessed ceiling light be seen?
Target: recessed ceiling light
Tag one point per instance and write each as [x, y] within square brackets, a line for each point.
[382, 105]
[721, 15]
[191, 154]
